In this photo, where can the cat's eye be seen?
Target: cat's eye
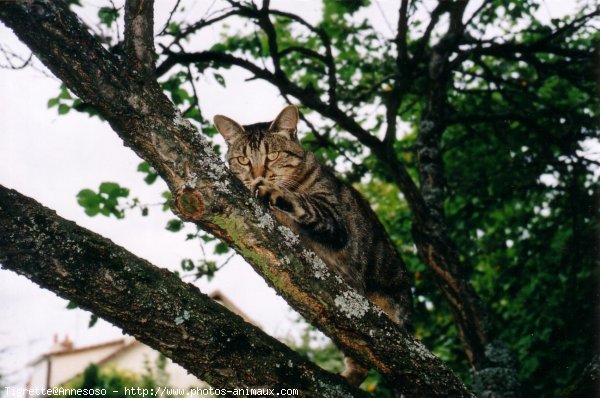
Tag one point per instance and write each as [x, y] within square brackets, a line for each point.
[272, 156]
[243, 160]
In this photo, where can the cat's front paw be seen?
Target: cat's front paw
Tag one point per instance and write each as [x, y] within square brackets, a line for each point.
[271, 195]
[265, 191]
[278, 200]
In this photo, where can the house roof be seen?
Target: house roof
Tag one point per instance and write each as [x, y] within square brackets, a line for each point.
[68, 350]
[120, 351]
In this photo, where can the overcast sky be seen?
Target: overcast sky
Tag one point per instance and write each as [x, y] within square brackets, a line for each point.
[51, 158]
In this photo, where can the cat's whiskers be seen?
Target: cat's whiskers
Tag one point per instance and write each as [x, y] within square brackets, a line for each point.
[289, 183]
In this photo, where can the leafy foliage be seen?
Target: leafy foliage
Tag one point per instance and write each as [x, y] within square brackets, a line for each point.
[105, 201]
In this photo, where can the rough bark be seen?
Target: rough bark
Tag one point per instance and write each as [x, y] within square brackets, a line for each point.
[151, 304]
[206, 193]
[588, 384]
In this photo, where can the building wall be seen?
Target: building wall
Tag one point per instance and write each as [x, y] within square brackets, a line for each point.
[39, 375]
[65, 367]
[135, 358]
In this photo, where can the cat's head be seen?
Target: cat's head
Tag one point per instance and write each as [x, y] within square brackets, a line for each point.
[268, 150]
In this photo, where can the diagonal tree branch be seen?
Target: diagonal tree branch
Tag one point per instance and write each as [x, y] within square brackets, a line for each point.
[206, 193]
[104, 278]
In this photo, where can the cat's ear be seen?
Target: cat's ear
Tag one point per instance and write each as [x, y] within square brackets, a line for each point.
[228, 128]
[286, 122]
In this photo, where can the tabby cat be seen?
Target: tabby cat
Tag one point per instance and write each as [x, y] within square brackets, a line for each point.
[331, 217]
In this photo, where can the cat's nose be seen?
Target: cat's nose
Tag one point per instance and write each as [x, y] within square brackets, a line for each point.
[258, 172]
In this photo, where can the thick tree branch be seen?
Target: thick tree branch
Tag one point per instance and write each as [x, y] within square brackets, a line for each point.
[402, 77]
[151, 304]
[206, 193]
[423, 41]
[139, 38]
[401, 36]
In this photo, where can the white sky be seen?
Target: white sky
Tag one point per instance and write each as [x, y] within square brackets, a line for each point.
[50, 158]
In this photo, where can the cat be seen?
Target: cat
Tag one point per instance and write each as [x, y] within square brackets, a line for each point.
[331, 217]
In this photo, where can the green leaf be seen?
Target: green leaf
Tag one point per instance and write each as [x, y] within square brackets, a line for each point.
[219, 78]
[167, 204]
[92, 211]
[64, 92]
[93, 320]
[72, 305]
[221, 248]
[151, 174]
[108, 15]
[173, 28]
[113, 189]
[187, 264]
[174, 225]
[89, 200]
[52, 102]
[63, 109]
[209, 130]
[143, 167]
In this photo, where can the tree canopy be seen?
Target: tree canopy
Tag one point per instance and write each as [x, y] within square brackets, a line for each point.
[468, 126]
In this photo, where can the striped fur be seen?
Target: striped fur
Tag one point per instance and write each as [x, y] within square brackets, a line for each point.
[331, 217]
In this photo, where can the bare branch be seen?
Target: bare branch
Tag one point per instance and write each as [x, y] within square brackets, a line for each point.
[543, 45]
[202, 23]
[304, 51]
[329, 60]
[9, 56]
[168, 22]
[478, 11]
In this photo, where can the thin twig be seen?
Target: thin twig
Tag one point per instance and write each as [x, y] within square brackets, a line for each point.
[173, 10]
